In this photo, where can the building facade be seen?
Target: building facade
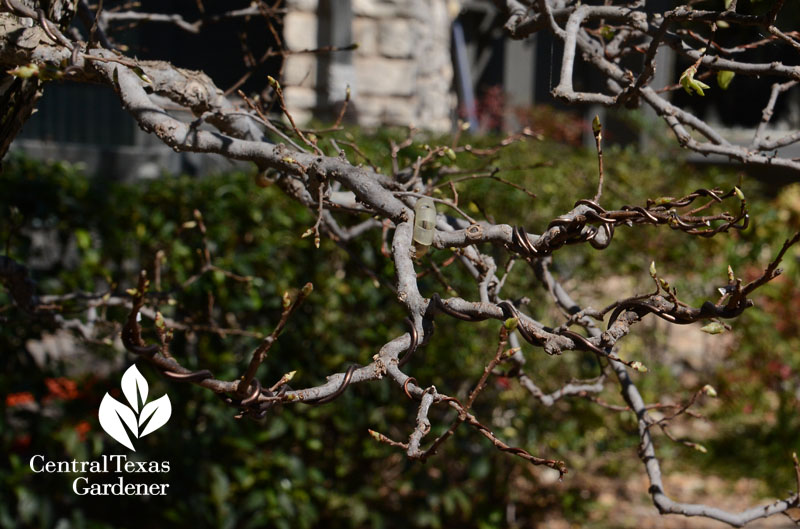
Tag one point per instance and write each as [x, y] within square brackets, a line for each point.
[400, 73]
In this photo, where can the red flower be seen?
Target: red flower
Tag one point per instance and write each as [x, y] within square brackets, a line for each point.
[18, 399]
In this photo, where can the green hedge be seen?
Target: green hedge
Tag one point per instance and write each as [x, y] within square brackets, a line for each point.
[317, 466]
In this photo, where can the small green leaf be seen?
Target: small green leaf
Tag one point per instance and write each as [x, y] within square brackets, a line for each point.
[689, 83]
[640, 367]
[26, 71]
[660, 201]
[713, 328]
[724, 78]
[83, 239]
[699, 86]
[710, 391]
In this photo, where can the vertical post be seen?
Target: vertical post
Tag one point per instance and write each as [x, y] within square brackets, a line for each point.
[336, 71]
[464, 77]
[519, 77]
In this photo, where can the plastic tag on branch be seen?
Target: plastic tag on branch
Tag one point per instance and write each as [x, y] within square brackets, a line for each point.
[424, 221]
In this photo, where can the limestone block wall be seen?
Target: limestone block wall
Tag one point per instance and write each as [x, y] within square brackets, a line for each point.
[400, 74]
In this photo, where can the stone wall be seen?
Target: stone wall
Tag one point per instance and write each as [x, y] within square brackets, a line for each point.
[400, 74]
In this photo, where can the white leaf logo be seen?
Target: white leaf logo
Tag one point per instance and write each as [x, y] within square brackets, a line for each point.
[132, 380]
[160, 410]
[115, 416]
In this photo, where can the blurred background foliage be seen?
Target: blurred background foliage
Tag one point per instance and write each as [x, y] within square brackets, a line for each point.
[310, 466]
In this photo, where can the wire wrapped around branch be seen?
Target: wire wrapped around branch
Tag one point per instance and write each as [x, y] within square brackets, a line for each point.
[346, 380]
[590, 222]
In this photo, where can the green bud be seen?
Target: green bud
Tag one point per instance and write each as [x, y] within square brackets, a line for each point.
[160, 321]
[511, 323]
[724, 78]
[714, 327]
[308, 288]
[26, 71]
[286, 301]
[653, 272]
[143, 76]
[597, 127]
[739, 193]
[689, 83]
[710, 391]
[640, 367]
